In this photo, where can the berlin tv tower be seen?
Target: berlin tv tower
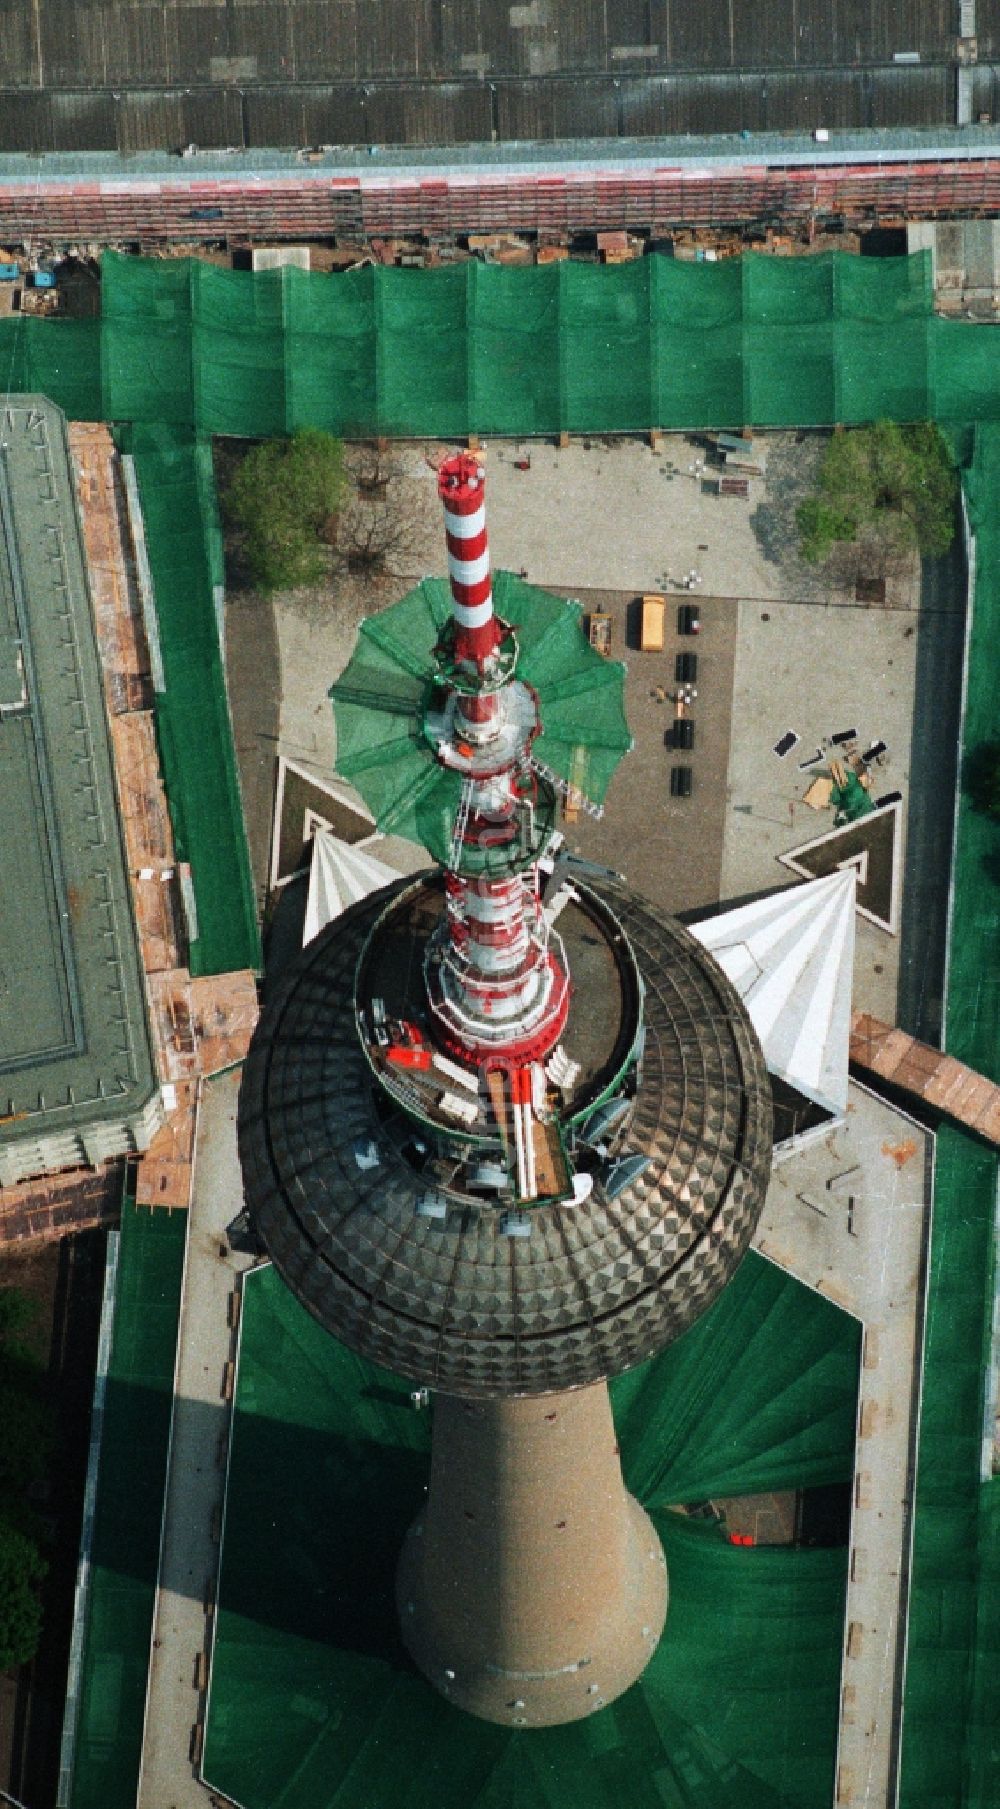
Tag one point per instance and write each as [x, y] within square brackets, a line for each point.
[506, 1130]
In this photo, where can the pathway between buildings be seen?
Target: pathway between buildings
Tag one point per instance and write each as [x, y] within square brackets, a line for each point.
[178, 1667]
[849, 1215]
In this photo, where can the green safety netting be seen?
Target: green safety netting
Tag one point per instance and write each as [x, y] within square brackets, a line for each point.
[696, 1423]
[757, 340]
[184, 543]
[129, 1507]
[951, 1729]
[973, 1030]
[327, 1468]
[983, 1720]
[380, 699]
[954, 1607]
[65, 366]
[522, 351]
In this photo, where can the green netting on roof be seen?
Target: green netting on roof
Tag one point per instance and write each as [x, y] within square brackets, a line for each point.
[146, 341]
[691, 1423]
[192, 714]
[380, 699]
[951, 1729]
[65, 365]
[379, 703]
[563, 347]
[755, 340]
[973, 993]
[313, 1705]
[129, 1507]
[984, 1722]
[954, 1606]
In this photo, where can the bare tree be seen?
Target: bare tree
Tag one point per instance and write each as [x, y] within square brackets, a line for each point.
[381, 528]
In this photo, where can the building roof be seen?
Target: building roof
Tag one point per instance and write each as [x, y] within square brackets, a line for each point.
[790, 957]
[137, 77]
[313, 1703]
[74, 1043]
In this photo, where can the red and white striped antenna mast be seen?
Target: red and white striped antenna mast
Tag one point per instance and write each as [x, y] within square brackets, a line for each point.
[462, 489]
[499, 993]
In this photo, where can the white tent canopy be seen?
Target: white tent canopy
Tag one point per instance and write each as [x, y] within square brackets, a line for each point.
[339, 875]
[790, 957]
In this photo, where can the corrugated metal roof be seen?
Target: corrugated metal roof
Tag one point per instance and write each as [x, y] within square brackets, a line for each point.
[557, 108]
[26, 122]
[418, 71]
[211, 117]
[428, 113]
[988, 28]
[473, 111]
[84, 122]
[105, 45]
[308, 116]
[928, 94]
[18, 49]
[681, 66]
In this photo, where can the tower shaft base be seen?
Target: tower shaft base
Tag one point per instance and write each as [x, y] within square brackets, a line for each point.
[532, 1589]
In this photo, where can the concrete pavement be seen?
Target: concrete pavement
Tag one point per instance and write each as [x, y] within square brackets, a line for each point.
[849, 1215]
[196, 1473]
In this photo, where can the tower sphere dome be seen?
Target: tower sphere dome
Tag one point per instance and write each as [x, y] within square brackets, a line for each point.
[384, 1216]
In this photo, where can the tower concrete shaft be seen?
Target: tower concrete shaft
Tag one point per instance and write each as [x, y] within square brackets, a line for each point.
[532, 1589]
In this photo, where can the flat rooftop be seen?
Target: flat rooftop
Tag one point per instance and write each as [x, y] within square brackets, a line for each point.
[74, 1045]
[289, 72]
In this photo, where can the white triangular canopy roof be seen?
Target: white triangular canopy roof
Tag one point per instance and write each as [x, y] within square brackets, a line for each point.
[790, 957]
[339, 875]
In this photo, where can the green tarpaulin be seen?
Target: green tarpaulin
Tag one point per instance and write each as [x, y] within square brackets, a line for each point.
[313, 1704]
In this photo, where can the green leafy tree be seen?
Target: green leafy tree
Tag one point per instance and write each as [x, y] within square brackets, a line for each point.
[820, 525]
[284, 500]
[890, 484]
[24, 1448]
[22, 1568]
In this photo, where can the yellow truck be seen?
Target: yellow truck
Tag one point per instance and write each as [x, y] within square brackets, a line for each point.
[651, 633]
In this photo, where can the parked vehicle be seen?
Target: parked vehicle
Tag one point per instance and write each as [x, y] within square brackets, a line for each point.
[652, 633]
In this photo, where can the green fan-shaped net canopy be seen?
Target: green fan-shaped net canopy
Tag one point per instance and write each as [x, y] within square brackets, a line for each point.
[379, 704]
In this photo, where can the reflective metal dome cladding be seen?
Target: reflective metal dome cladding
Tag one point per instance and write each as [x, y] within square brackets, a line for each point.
[455, 1304]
